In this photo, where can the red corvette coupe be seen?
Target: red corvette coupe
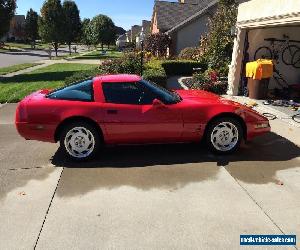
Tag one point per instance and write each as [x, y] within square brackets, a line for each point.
[125, 109]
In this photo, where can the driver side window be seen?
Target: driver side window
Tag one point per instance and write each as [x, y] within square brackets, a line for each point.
[127, 93]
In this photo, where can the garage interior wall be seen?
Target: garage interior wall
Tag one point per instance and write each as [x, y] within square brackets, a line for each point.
[256, 39]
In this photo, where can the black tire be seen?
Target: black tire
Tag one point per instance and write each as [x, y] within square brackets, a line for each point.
[296, 118]
[210, 132]
[296, 59]
[263, 53]
[288, 54]
[93, 132]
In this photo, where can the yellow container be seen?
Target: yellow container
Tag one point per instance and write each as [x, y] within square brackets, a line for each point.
[260, 69]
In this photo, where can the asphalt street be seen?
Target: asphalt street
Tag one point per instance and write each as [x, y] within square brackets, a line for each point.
[147, 197]
[10, 58]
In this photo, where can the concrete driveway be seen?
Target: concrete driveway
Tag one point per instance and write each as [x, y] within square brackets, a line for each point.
[152, 197]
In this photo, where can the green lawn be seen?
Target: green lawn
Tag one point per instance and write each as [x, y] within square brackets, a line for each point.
[13, 89]
[96, 54]
[15, 68]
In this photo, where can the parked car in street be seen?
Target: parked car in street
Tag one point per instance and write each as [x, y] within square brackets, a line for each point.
[125, 109]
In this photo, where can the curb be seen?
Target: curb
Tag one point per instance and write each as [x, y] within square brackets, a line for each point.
[2, 105]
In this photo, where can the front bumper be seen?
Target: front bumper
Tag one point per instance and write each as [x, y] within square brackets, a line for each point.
[258, 128]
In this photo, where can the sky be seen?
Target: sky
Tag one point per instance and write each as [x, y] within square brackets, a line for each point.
[124, 13]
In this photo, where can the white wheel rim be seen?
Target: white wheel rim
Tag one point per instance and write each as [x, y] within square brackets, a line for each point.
[225, 136]
[79, 142]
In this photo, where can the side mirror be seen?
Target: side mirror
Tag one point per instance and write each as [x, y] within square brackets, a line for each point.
[157, 103]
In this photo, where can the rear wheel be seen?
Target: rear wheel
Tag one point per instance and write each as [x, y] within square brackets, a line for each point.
[224, 135]
[80, 141]
[263, 53]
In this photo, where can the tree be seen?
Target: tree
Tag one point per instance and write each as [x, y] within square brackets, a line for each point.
[158, 44]
[120, 31]
[110, 35]
[7, 11]
[218, 44]
[52, 23]
[73, 23]
[102, 30]
[85, 35]
[85, 32]
[31, 26]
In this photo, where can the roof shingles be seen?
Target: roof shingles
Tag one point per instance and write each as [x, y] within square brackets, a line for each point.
[170, 14]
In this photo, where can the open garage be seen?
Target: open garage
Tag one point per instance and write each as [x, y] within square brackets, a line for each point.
[268, 30]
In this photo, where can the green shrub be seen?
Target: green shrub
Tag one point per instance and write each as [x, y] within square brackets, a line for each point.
[156, 75]
[182, 67]
[208, 81]
[154, 64]
[82, 75]
[129, 63]
[190, 53]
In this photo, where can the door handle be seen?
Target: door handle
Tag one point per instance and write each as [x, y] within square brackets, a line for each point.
[112, 111]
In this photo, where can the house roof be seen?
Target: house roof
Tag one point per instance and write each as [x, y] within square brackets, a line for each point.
[170, 14]
[122, 37]
[199, 13]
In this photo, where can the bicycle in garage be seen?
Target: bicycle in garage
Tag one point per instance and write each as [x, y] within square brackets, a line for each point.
[280, 49]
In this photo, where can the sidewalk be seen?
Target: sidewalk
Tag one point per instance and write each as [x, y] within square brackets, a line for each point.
[46, 63]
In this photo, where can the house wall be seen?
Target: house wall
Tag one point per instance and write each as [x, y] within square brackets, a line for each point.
[257, 10]
[256, 40]
[190, 34]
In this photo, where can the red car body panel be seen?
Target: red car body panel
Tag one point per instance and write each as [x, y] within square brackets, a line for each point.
[38, 117]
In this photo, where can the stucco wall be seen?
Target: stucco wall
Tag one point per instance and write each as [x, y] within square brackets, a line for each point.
[256, 40]
[260, 9]
[190, 34]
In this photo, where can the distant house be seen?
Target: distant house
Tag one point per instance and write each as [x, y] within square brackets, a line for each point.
[185, 21]
[128, 36]
[133, 35]
[135, 32]
[146, 29]
[121, 41]
[16, 31]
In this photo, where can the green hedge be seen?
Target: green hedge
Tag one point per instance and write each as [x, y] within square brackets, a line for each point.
[182, 67]
[156, 75]
[82, 75]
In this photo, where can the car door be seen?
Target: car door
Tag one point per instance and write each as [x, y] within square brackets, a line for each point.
[131, 117]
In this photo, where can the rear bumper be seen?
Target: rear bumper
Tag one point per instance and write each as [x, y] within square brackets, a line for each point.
[38, 132]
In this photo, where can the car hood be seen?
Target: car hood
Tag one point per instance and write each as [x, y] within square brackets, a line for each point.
[198, 94]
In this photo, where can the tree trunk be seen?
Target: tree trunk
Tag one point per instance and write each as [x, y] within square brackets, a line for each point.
[70, 52]
[56, 48]
[102, 46]
[108, 46]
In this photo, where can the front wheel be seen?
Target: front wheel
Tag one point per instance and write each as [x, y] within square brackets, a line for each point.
[224, 135]
[80, 141]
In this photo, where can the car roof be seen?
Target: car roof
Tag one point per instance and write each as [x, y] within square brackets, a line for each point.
[118, 78]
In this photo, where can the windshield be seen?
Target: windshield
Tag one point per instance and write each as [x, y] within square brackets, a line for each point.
[166, 96]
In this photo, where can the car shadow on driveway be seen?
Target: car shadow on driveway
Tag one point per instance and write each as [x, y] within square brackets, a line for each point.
[176, 165]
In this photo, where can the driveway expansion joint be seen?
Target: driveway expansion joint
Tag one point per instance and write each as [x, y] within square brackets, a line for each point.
[45, 218]
[260, 207]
